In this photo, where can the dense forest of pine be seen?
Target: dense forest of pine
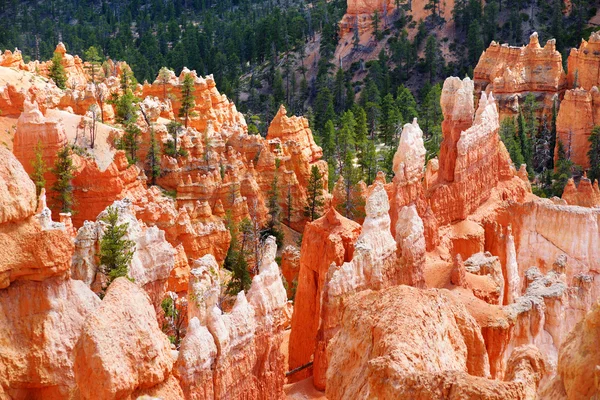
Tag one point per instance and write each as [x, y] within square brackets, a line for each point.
[253, 49]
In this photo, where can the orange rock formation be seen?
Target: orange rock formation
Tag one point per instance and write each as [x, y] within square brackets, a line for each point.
[513, 72]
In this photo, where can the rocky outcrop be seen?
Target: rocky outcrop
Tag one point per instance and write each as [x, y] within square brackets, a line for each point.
[235, 354]
[153, 258]
[482, 164]
[359, 14]
[290, 268]
[373, 266]
[513, 72]
[377, 333]
[40, 324]
[584, 195]
[584, 63]
[578, 361]
[32, 247]
[121, 348]
[326, 241]
[73, 65]
[578, 114]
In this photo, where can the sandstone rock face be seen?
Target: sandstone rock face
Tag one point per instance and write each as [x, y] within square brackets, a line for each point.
[584, 63]
[385, 330]
[578, 114]
[584, 195]
[73, 65]
[32, 247]
[121, 348]
[152, 262]
[373, 266]
[579, 359]
[512, 72]
[411, 246]
[479, 165]
[327, 240]
[235, 354]
[359, 14]
[40, 324]
[290, 268]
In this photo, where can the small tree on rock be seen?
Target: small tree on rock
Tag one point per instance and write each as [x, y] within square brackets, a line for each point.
[39, 168]
[594, 154]
[116, 251]
[57, 71]
[315, 194]
[63, 187]
[187, 98]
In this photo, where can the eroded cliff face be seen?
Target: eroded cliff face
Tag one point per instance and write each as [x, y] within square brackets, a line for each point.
[513, 72]
[234, 354]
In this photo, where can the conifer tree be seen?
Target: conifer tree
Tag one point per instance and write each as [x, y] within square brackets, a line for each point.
[39, 169]
[63, 188]
[328, 140]
[594, 154]
[153, 157]
[130, 142]
[235, 260]
[163, 76]
[315, 194]
[171, 149]
[273, 202]
[187, 98]
[92, 56]
[116, 251]
[508, 135]
[57, 71]
[563, 170]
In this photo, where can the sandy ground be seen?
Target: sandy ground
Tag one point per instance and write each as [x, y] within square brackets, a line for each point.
[21, 79]
[303, 390]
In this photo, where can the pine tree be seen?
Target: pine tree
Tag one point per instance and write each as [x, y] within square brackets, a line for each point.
[350, 207]
[278, 90]
[116, 252]
[57, 71]
[164, 75]
[235, 260]
[346, 137]
[289, 205]
[375, 24]
[153, 157]
[432, 59]
[508, 135]
[594, 154]
[63, 188]
[390, 120]
[39, 168]
[171, 149]
[187, 98]
[130, 142]
[273, 202]
[92, 56]
[328, 140]
[563, 170]
[315, 194]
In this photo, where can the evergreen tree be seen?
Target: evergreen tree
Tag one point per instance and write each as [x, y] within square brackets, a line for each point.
[474, 42]
[406, 103]
[351, 206]
[328, 140]
[92, 56]
[346, 137]
[235, 260]
[390, 120]
[375, 24]
[278, 90]
[153, 158]
[39, 168]
[594, 154]
[563, 171]
[130, 142]
[171, 149]
[314, 190]
[187, 98]
[432, 59]
[553, 134]
[57, 71]
[163, 76]
[324, 110]
[273, 202]
[508, 135]
[63, 188]
[116, 251]
[524, 141]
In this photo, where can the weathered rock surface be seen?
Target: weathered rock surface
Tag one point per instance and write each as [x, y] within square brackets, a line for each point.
[153, 258]
[373, 266]
[386, 329]
[584, 63]
[481, 165]
[584, 195]
[121, 348]
[235, 354]
[32, 247]
[513, 72]
[579, 112]
[40, 324]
